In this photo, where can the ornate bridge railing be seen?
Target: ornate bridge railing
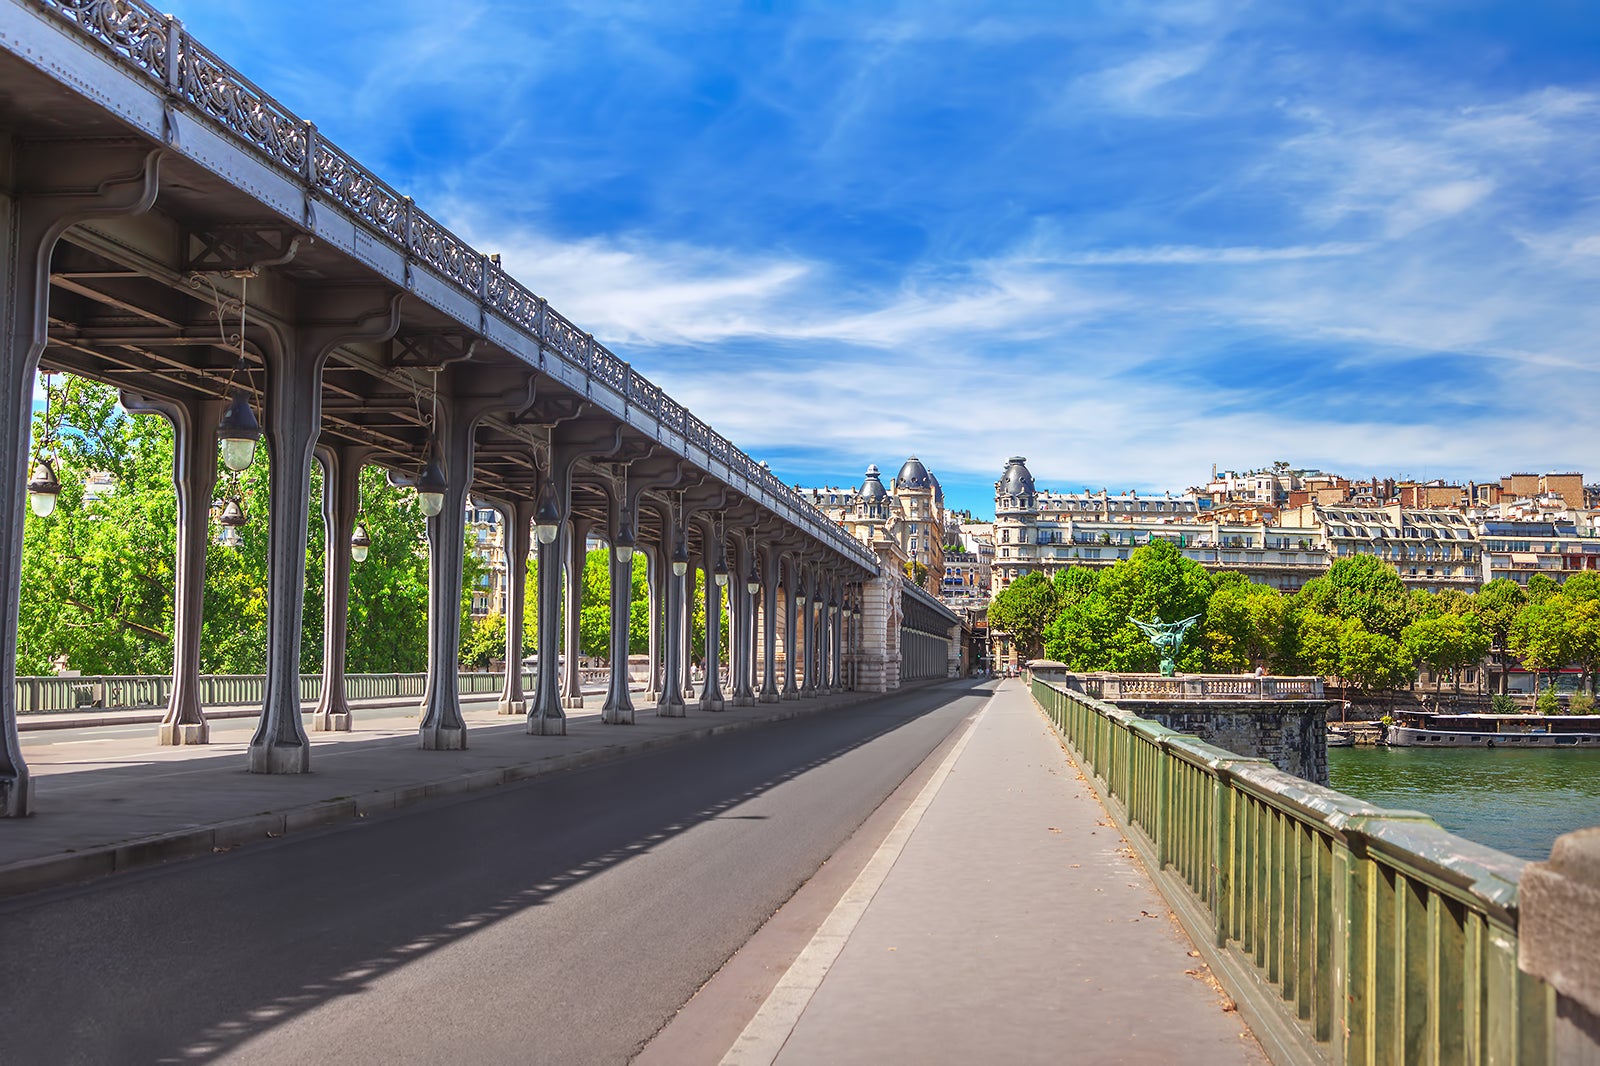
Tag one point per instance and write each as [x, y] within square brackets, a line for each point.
[1348, 932]
[1195, 686]
[156, 49]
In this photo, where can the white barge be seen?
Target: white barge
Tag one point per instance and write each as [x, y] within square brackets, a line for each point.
[1495, 731]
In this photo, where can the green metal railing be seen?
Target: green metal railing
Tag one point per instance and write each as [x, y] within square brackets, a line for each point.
[1376, 936]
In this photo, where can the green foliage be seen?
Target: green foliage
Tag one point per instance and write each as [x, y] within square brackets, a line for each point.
[1317, 641]
[594, 617]
[1541, 636]
[1366, 588]
[1500, 703]
[98, 576]
[1540, 586]
[484, 641]
[1024, 608]
[1580, 703]
[1247, 625]
[1548, 702]
[1446, 642]
[1093, 631]
[1372, 661]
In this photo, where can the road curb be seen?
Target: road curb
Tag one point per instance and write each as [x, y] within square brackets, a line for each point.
[30, 875]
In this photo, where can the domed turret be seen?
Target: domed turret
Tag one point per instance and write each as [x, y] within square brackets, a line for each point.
[872, 488]
[1016, 481]
[913, 475]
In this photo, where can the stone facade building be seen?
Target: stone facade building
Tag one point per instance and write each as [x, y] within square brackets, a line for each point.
[1043, 532]
[910, 511]
[1432, 548]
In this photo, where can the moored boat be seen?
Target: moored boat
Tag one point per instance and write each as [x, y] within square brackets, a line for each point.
[1495, 730]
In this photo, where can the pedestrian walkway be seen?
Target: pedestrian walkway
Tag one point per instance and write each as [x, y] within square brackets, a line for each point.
[1004, 919]
[110, 799]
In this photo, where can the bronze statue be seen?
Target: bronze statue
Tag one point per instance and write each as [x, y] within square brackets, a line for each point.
[1166, 636]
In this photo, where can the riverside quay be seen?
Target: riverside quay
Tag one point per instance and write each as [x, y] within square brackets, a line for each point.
[1020, 839]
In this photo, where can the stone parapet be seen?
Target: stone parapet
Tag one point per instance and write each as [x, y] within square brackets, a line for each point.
[1290, 734]
[1558, 930]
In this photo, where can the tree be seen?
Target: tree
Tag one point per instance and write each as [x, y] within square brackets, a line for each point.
[1316, 638]
[1363, 587]
[1541, 637]
[1446, 642]
[1540, 586]
[1496, 606]
[99, 573]
[1370, 660]
[1247, 625]
[484, 642]
[1024, 608]
[594, 619]
[1093, 631]
[1581, 594]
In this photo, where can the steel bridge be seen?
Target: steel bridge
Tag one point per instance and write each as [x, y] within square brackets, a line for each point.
[153, 193]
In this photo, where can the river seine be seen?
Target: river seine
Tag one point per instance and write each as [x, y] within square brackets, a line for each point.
[1516, 801]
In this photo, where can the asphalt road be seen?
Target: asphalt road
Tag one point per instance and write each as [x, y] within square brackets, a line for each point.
[563, 920]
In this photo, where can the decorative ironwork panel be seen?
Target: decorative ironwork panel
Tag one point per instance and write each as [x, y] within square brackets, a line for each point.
[644, 394]
[446, 252]
[696, 430]
[214, 88]
[609, 370]
[347, 184]
[563, 336]
[134, 31]
[671, 413]
[513, 301]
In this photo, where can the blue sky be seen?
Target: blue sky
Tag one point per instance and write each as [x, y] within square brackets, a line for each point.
[1126, 240]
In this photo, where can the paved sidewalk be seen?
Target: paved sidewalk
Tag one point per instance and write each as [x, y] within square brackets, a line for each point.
[1005, 919]
[111, 799]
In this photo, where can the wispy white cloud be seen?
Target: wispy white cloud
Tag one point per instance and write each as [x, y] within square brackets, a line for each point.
[1126, 241]
[1136, 85]
[1177, 255]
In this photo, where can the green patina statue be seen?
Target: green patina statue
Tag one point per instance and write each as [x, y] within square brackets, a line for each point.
[1166, 636]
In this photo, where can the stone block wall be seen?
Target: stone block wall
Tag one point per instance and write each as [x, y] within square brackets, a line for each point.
[1292, 734]
[1558, 926]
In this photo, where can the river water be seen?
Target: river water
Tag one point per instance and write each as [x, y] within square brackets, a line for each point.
[1516, 801]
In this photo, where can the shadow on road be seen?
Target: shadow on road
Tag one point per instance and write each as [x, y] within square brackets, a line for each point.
[184, 963]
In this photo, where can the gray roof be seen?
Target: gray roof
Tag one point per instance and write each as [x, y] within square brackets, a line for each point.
[913, 475]
[872, 488]
[1016, 481]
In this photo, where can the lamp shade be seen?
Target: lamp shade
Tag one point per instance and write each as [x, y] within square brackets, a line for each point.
[43, 488]
[623, 545]
[231, 519]
[720, 574]
[547, 516]
[238, 432]
[430, 484]
[680, 559]
[360, 544]
[752, 584]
